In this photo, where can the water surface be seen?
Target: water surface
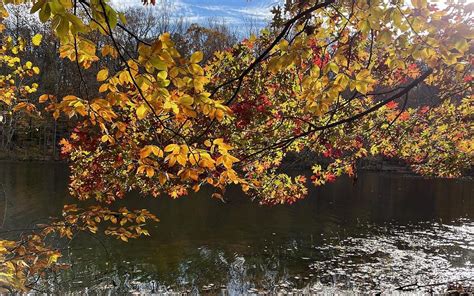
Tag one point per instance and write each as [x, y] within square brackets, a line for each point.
[383, 232]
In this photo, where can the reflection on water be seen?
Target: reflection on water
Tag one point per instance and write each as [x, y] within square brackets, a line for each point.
[384, 232]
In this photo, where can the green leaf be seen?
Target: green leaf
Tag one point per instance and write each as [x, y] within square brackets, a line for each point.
[39, 4]
[56, 7]
[122, 18]
[63, 28]
[112, 17]
[45, 13]
[66, 3]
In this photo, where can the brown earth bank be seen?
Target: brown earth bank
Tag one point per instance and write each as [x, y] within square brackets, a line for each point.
[305, 160]
[30, 154]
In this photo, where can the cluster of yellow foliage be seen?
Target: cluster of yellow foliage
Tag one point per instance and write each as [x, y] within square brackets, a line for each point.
[14, 84]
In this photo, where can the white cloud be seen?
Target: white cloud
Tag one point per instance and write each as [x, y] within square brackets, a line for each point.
[234, 12]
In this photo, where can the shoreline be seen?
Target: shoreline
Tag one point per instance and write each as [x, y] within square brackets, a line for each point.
[394, 167]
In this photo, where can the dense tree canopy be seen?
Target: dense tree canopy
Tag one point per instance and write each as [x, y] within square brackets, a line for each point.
[329, 78]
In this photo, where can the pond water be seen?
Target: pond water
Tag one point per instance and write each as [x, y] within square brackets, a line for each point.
[383, 232]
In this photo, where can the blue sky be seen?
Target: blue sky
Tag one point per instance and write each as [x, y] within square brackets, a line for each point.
[235, 13]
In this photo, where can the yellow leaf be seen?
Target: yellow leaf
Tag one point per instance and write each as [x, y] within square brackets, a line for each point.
[145, 152]
[361, 87]
[333, 67]
[103, 88]
[162, 75]
[149, 149]
[44, 98]
[162, 178]
[186, 100]
[102, 75]
[36, 40]
[219, 114]
[150, 172]
[156, 151]
[142, 111]
[53, 258]
[362, 75]
[172, 148]
[196, 69]
[171, 160]
[196, 57]
[182, 159]
[227, 160]
[461, 45]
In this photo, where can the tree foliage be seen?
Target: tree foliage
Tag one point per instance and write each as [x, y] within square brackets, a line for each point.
[331, 77]
[16, 81]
